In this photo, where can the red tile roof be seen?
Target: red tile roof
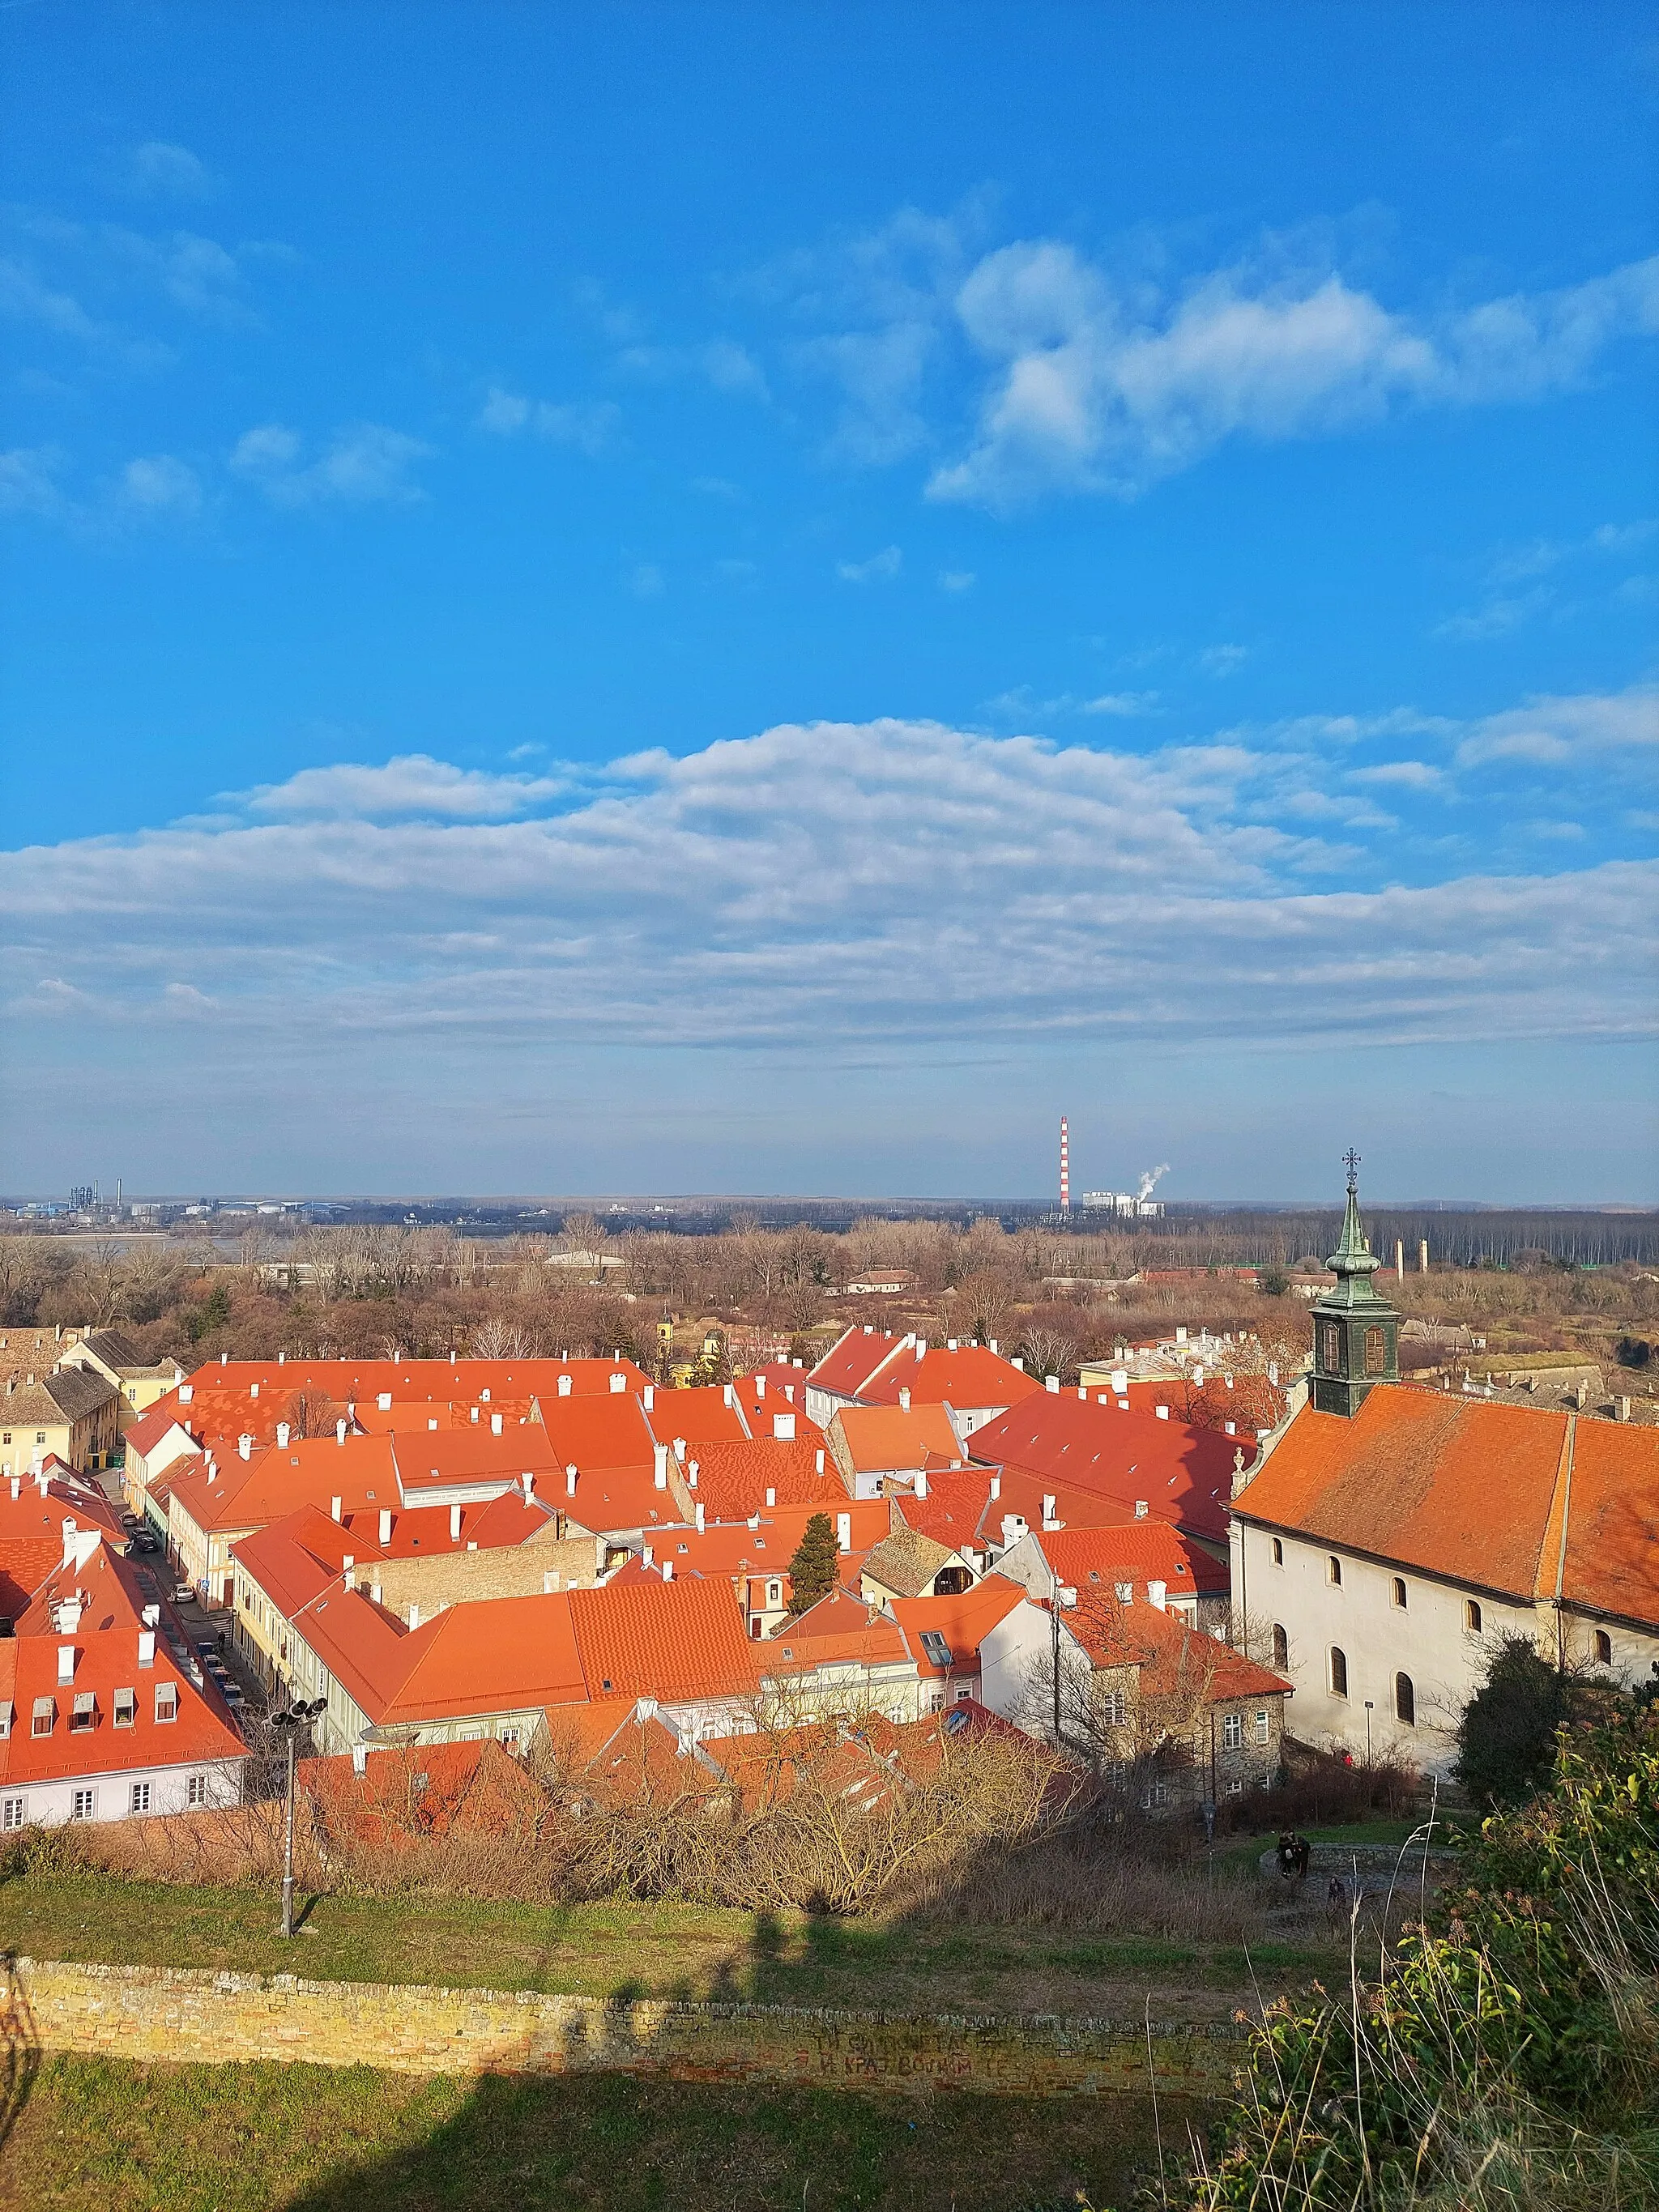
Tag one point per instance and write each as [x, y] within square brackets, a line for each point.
[886, 1439]
[838, 1628]
[971, 1378]
[1182, 1475]
[700, 1416]
[733, 1479]
[428, 1790]
[963, 1621]
[1138, 1551]
[672, 1641]
[851, 1361]
[1168, 1653]
[1479, 1492]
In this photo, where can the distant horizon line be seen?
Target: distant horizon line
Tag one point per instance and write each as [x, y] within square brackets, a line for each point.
[634, 1201]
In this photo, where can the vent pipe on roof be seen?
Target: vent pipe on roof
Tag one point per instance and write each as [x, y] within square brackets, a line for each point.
[336, 1506]
[1161, 1412]
[570, 1482]
[1141, 1509]
[660, 1466]
[771, 1496]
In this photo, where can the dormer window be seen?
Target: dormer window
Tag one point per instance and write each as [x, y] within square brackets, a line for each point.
[46, 1717]
[166, 1701]
[83, 1714]
[125, 1714]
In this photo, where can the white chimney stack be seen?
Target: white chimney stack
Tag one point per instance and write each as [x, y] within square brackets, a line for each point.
[697, 1510]
[921, 1482]
[844, 1532]
[570, 1482]
[385, 1525]
[1048, 1510]
[147, 1647]
[660, 1466]
[760, 1386]
[65, 1663]
[820, 1458]
[340, 1430]
[564, 1386]
[1051, 1382]
[244, 1446]
[282, 1434]
[252, 1389]
[186, 1392]
[1156, 1593]
[454, 1524]
[771, 1495]
[1141, 1509]
[495, 1424]
[618, 1382]
[1161, 1412]
[648, 1397]
[414, 1615]
[904, 1398]
[728, 1396]
[384, 1402]
[783, 1427]
[359, 1758]
[996, 1486]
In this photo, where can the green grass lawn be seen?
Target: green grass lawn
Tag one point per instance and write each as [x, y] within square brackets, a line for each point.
[103, 2136]
[648, 1949]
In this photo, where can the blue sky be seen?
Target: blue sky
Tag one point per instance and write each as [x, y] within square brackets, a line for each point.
[766, 598]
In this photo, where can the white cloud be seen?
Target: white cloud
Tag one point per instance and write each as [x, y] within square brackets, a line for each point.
[647, 580]
[363, 463]
[830, 886]
[412, 784]
[590, 425]
[29, 480]
[957, 579]
[162, 170]
[1094, 389]
[1222, 659]
[880, 569]
[1122, 703]
[1553, 731]
[159, 483]
[1402, 775]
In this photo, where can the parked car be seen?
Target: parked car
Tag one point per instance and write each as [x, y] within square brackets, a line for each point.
[183, 1593]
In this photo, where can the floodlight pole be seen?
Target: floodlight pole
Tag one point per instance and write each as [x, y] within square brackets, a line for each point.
[293, 1732]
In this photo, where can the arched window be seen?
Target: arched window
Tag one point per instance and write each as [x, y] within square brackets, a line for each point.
[1281, 1647]
[1399, 1592]
[1334, 1572]
[1405, 1701]
[1375, 1358]
[1278, 1551]
[1603, 1648]
[1472, 1615]
[1339, 1671]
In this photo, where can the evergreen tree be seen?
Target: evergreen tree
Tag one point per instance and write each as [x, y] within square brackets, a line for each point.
[1506, 1738]
[815, 1571]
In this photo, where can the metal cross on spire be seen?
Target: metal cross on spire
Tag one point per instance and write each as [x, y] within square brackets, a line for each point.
[1351, 1161]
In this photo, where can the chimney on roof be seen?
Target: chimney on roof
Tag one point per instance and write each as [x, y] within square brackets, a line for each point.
[529, 1480]
[1051, 1382]
[760, 1386]
[660, 1466]
[147, 1647]
[252, 1389]
[452, 1358]
[992, 1345]
[245, 1445]
[224, 1359]
[454, 1524]
[360, 1750]
[335, 1507]
[385, 1525]
[996, 1486]
[1162, 1412]
[414, 1615]
[921, 1482]
[949, 1344]
[1141, 1509]
[1230, 1427]
[618, 1382]
[1156, 1593]
[679, 1447]
[186, 1392]
[904, 1397]
[17, 1487]
[922, 1348]
[728, 1396]
[564, 1386]
[1048, 1503]
[570, 1480]
[648, 1396]
[374, 1592]
[495, 1424]
[282, 1434]
[820, 1459]
[1020, 1362]
[691, 1473]
[349, 1569]
[783, 1427]
[844, 1532]
[771, 1495]
[698, 1512]
[474, 1415]
[66, 1661]
[668, 1570]
[340, 1432]
[1273, 1371]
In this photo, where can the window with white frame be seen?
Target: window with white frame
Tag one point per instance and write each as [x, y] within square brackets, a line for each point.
[126, 1709]
[84, 1805]
[1232, 1731]
[14, 1812]
[140, 1798]
[166, 1701]
[1114, 1707]
[196, 1790]
[1264, 1727]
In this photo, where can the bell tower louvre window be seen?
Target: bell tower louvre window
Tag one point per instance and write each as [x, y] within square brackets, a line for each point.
[1356, 1330]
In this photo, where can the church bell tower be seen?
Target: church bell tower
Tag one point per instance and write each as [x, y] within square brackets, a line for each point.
[1356, 1330]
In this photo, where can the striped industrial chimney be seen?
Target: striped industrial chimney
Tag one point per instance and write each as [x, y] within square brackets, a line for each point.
[1065, 1170]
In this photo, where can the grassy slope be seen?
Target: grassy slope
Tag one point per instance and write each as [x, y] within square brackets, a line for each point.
[100, 2135]
[643, 1949]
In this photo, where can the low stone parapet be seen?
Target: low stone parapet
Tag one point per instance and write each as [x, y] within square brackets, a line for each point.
[198, 2016]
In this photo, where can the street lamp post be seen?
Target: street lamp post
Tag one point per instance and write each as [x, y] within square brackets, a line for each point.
[291, 1719]
[1368, 1731]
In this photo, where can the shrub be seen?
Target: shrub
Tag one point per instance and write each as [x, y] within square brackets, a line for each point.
[1506, 1737]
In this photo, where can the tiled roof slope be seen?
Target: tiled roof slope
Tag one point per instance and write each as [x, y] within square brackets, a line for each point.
[1136, 1552]
[962, 1621]
[851, 1361]
[1479, 1492]
[970, 1376]
[880, 1439]
[733, 1479]
[668, 1640]
[1182, 1475]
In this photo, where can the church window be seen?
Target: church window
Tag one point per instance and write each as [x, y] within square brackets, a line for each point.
[1472, 1615]
[1281, 1647]
[1331, 1337]
[1405, 1700]
[1334, 1572]
[1339, 1671]
[1375, 1351]
[1603, 1648]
